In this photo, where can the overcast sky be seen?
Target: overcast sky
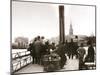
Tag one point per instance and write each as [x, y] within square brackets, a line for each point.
[31, 19]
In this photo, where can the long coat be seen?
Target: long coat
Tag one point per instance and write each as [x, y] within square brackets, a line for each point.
[38, 47]
[31, 49]
[90, 55]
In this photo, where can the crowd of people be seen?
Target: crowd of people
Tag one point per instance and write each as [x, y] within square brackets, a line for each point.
[39, 48]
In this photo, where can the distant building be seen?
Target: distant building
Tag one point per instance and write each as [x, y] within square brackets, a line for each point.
[14, 45]
[21, 42]
[76, 38]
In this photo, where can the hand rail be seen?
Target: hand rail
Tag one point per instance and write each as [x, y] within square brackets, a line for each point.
[20, 54]
[20, 60]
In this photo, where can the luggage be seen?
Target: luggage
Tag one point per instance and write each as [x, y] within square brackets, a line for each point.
[51, 62]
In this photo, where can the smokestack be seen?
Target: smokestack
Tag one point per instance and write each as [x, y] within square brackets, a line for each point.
[61, 24]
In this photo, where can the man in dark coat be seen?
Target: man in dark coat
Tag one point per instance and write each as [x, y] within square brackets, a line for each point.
[73, 48]
[46, 48]
[67, 49]
[53, 47]
[90, 55]
[38, 47]
[32, 51]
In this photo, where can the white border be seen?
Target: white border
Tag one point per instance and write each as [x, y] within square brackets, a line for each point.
[5, 37]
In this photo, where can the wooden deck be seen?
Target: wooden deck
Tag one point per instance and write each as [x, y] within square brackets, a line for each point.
[71, 64]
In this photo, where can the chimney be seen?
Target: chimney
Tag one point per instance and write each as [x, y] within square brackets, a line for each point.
[61, 24]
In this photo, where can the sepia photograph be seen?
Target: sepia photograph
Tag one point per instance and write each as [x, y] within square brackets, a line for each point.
[52, 37]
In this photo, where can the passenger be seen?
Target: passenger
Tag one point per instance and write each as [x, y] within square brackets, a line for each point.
[32, 50]
[76, 47]
[42, 40]
[81, 52]
[47, 47]
[90, 55]
[67, 50]
[72, 49]
[53, 47]
[38, 47]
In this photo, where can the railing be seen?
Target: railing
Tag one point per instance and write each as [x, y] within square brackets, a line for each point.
[90, 65]
[20, 60]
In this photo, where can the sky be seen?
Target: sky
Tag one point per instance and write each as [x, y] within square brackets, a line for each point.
[32, 19]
